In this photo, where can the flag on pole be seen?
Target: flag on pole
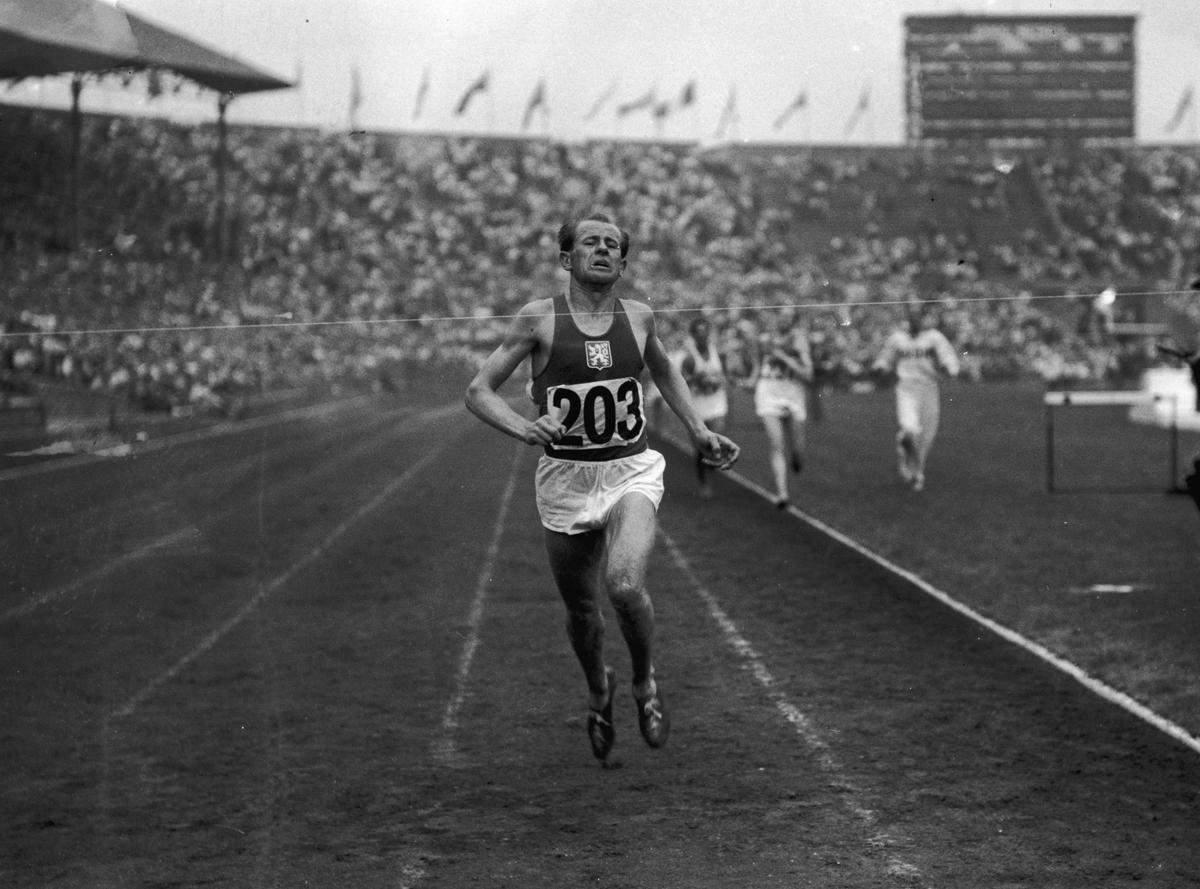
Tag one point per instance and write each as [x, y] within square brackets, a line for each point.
[643, 101]
[609, 92]
[479, 85]
[863, 104]
[729, 114]
[1185, 102]
[801, 101]
[422, 92]
[536, 100]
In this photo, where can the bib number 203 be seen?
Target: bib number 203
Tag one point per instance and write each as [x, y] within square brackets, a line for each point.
[599, 415]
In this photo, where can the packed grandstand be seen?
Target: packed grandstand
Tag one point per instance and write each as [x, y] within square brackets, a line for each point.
[353, 259]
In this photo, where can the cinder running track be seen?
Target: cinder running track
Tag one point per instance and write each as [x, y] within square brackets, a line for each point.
[323, 650]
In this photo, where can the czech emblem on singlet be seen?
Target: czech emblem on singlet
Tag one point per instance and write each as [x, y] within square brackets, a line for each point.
[599, 354]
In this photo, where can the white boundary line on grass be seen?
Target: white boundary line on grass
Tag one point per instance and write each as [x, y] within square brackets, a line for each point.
[809, 734]
[443, 745]
[258, 598]
[1091, 683]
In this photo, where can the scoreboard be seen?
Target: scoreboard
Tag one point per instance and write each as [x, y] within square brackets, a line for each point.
[1019, 79]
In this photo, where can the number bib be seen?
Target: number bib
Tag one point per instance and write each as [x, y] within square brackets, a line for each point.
[603, 414]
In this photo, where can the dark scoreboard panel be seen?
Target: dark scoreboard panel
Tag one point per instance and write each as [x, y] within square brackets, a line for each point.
[1019, 78]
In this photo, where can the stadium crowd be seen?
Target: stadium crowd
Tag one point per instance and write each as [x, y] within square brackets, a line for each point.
[354, 259]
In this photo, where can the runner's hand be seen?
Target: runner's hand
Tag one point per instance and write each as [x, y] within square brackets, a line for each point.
[546, 429]
[719, 451]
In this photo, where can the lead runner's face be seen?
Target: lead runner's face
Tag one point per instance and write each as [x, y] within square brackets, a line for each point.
[596, 257]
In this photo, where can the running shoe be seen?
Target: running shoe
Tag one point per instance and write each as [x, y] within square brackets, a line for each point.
[653, 720]
[599, 722]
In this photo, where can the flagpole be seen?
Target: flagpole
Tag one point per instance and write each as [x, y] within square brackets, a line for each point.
[355, 96]
[300, 92]
[1192, 112]
[419, 102]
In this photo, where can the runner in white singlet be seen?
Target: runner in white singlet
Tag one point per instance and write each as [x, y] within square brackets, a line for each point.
[917, 355]
[704, 370]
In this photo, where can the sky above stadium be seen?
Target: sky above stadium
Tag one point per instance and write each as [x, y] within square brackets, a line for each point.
[408, 64]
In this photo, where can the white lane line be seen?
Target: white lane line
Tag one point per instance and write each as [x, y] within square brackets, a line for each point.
[190, 533]
[180, 537]
[216, 635]
[1091, 683]
[805, 730]
[444, 748]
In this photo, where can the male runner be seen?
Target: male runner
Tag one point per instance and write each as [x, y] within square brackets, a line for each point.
[598, 485]
[703, 369]
[783, 369]
[917, 355]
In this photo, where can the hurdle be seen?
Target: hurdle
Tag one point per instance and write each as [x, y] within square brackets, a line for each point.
[1067, 398]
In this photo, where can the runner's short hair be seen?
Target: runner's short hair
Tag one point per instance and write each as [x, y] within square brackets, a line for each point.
[566, 232]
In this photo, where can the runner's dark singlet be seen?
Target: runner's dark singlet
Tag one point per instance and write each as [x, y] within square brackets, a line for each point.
[772, 368]
[594, 379]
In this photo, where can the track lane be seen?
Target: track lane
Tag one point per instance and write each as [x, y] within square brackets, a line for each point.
[526, 796]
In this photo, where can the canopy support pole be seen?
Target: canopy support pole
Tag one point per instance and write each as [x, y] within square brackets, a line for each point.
[73, 184]
[222, 234]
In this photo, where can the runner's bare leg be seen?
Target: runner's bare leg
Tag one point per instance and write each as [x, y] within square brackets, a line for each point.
[629, 540]
[778, 457]
[797, 439]
[576, 561]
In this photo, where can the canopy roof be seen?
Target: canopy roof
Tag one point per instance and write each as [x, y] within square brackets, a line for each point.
[42, 37]
[161, 48]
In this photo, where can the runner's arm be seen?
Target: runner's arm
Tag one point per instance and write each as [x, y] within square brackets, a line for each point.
[884, 366]
[483, 394]
[947, 357]
[801, 361]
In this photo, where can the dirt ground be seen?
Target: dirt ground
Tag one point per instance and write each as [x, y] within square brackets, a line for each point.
[324, 651]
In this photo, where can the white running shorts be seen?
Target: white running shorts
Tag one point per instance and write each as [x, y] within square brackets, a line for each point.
[711, 405]
[780, 398]
[918, 408]
[574, 496]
